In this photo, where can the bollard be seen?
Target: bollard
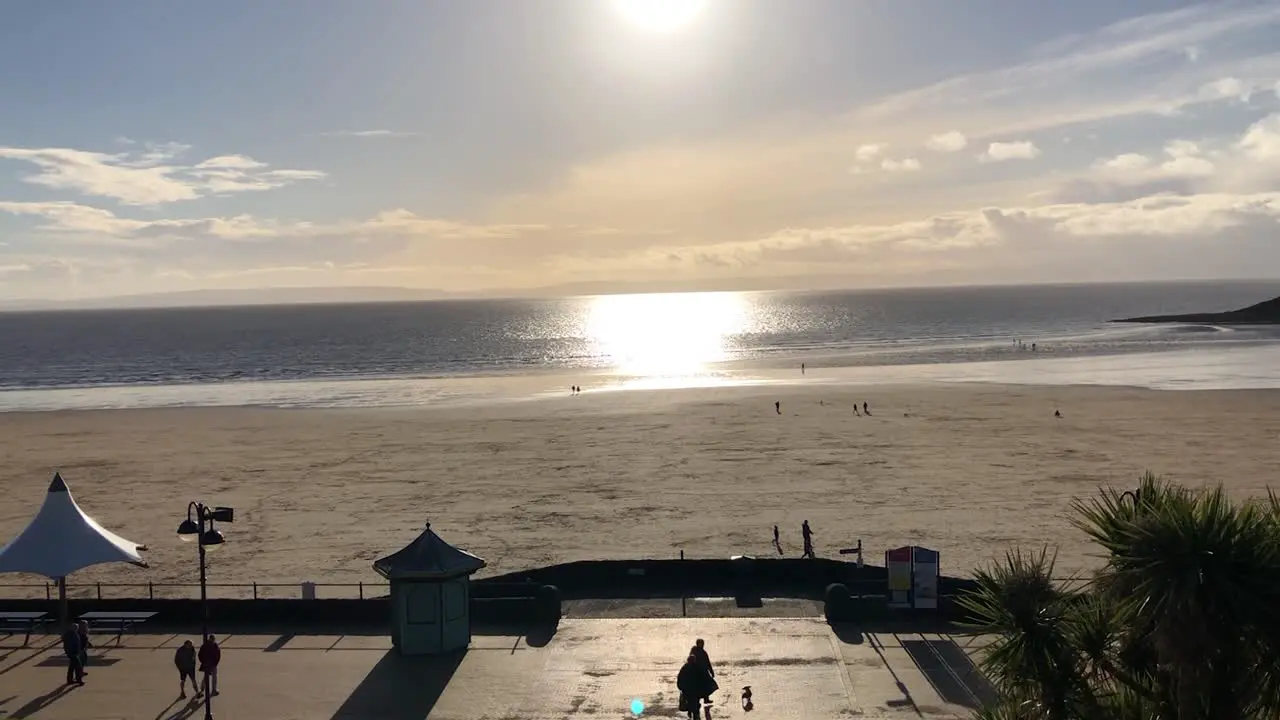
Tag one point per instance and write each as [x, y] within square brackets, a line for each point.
[47, 596]
[99, 590]
[151, 591]
[255, 591]
[362, 590]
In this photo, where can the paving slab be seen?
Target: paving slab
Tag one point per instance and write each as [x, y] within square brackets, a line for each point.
[797, 668]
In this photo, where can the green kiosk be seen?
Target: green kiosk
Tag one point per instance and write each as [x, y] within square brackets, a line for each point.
[430, 595]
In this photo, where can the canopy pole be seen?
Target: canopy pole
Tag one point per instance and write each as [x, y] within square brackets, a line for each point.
[62, 603]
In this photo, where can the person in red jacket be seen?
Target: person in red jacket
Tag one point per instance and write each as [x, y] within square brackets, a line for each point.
[210, 654]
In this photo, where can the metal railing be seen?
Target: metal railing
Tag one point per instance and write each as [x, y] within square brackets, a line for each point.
[191, 591]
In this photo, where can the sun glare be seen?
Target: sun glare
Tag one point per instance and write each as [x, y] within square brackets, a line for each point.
[661, 15]
[667, 334]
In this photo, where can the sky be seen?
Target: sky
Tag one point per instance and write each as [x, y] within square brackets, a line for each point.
[505, 145]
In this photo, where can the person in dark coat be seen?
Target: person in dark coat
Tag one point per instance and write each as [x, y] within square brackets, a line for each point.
[691, 682]
[185, 660]
[210, 655]
[82, 629]
[699, 651]
[71, 648]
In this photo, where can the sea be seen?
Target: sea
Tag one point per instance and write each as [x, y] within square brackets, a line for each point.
[506, 350]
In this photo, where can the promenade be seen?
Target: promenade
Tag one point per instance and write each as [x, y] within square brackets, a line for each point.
[797, 668]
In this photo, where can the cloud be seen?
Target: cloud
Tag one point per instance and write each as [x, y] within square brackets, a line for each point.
[365, 133]
[150, 176]
[903, 165]
[1228, 88]
[869, 151]
[1183, 160]
[1261, 142]
[953, 141]
[1017, 150]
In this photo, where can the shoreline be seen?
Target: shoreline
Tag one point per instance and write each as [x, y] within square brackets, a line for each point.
[969, 469]
[1256, 367]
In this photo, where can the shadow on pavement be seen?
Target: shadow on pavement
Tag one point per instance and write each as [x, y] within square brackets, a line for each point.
[950, 671]
[190, 709]
[401, 688]
[94, 661]
[535, 636]
[39, 703]
[847, 632]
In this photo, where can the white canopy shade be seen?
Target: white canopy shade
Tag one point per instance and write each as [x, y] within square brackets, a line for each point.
[62, 539]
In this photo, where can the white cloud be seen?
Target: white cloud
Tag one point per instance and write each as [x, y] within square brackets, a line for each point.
[152, 176]
[1228, 88]
[903, 165]
[1261, 142]
[366, 133]
[953, 141]
[1017, 150]
[869, 151]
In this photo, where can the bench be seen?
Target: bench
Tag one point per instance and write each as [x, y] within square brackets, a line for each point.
[10, 622]
[121, 621]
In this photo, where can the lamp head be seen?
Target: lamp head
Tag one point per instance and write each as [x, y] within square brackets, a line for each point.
[223, 514]
[211, 538]
[188, 530]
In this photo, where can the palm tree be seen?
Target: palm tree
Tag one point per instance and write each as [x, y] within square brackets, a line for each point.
[1182, 621]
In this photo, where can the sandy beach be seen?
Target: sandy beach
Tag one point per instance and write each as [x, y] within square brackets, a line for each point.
[968, 469]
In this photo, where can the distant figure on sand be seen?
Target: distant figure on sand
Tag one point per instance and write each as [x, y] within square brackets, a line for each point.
[855, 409]
[808, 539]
[1057, 413]
[865, 411]
[777, 407]
[801, 368]
[777, 541]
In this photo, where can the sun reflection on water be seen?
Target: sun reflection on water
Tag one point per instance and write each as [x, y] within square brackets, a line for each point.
[666, 335]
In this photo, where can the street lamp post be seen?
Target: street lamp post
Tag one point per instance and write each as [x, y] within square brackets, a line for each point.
[193, 528]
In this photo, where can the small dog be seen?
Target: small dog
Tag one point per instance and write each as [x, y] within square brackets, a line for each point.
[747, 705]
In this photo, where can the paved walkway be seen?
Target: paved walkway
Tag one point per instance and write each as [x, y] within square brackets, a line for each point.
[797, 668]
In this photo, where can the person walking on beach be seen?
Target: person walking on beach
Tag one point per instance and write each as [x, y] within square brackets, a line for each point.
[808, 539]
[777, 541]
[710, 686]
[777, 407]
[185, 660]
[801, 368]
[82, 629]
[689, 681]
[71, 648]
[865, 410]
[210, 655]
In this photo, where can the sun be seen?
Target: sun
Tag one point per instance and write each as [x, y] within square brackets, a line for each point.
[661, 15]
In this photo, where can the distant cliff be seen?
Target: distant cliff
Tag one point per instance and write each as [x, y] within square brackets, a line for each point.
[1264, 313]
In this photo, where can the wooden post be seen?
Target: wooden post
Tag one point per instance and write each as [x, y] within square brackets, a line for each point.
[683, 606]
[362, 590]
[62, 603]
[255, 591]
[99, 590]
[151, 591]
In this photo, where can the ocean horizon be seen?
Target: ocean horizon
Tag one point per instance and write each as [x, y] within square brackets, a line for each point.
[449, 352]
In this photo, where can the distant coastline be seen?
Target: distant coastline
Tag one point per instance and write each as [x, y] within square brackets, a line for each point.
[1263, 313]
